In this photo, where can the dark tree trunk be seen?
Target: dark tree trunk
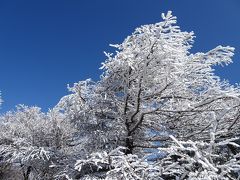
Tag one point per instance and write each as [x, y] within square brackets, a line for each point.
[129, 144]
[26, 175]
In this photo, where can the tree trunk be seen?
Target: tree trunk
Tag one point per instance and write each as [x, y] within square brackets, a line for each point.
[129, 144]
[26, 175]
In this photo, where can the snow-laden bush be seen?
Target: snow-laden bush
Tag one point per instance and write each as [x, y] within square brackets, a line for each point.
[30, 141]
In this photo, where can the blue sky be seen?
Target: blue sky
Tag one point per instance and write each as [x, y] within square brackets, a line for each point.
[47, 44]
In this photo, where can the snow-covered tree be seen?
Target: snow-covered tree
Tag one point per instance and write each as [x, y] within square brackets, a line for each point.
[154, 94]
[159, 85]
[94, 114]
[31, 142]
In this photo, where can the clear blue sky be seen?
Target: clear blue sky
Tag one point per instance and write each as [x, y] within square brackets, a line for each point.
[46, 44]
